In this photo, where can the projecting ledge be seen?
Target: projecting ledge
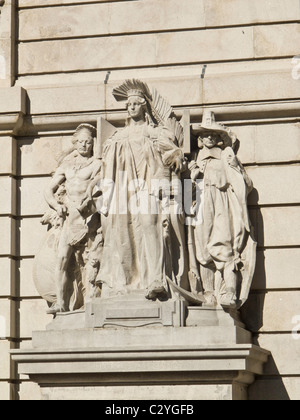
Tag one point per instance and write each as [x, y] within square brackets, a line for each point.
[12, 109]
[96, 372]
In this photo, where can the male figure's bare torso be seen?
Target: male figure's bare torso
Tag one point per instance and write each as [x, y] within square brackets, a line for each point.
[78, 177]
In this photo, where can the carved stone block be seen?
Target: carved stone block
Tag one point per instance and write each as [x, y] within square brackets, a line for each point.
[135, 311]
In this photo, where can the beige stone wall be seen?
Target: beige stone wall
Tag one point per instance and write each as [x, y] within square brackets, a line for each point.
[57, 62]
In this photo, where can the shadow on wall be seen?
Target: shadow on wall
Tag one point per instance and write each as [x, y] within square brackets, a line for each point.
[253, 310]
[266, 387]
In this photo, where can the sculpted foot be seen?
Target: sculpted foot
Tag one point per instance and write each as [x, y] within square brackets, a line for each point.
[55, 309]
[229, 301]
[156, 289]
[210, 299]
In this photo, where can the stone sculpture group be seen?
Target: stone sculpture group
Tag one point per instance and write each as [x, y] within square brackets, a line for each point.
[144, 217]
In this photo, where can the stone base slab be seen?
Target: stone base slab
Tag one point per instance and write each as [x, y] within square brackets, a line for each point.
[224, 392]
[138, 338]
[149, 371]
[135, 312]
[143, 350]
[156, 363]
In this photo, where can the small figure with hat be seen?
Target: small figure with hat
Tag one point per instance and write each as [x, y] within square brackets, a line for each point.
[222, 251]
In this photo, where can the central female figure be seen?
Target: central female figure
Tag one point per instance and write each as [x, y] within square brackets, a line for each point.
[138, 161]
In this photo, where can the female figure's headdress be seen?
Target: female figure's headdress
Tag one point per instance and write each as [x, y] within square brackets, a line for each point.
[130, 88]
[158, 108]
[159, 111]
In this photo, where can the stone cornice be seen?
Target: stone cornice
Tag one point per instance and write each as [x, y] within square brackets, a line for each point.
[16, 118]
[227, 363]
[12, 109]
[237, 114]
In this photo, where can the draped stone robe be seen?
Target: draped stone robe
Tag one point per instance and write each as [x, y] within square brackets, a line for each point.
[134, 238]
[222, 235]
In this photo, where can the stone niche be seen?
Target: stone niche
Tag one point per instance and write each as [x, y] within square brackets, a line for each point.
[146, 306]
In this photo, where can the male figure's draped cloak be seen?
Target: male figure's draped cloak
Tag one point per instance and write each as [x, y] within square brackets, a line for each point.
[223, 236]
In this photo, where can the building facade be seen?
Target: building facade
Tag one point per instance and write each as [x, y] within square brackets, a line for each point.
[59, 62]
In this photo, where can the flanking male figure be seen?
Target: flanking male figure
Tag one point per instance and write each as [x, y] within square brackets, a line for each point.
[222, 251]
[74, 226]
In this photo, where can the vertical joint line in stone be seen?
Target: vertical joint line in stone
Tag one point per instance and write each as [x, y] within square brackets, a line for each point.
[15, 275]
[14, 42]
[202, 83]
[105, 91]
[204, 70]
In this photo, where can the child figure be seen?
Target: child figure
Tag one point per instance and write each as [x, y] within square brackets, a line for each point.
[223, 229]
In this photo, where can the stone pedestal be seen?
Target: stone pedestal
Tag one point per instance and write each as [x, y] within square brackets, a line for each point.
[210, 358]
[135, 311]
